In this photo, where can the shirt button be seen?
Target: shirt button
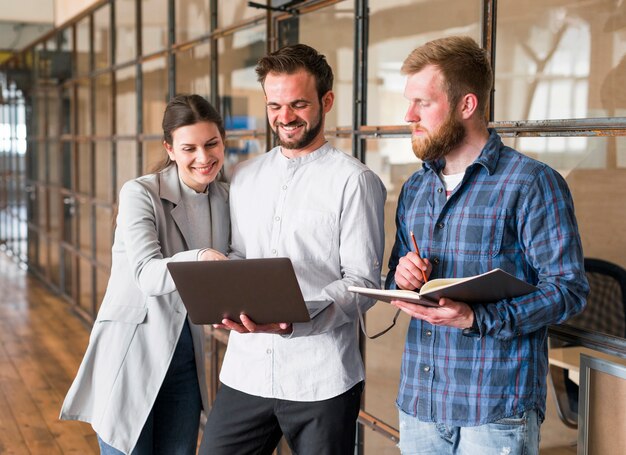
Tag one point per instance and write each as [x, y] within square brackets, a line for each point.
[440, 225]
[429, 333]
[426, 369]
[284, 187]
[269, 351]
[274, 252]
[277, 218]
[439, 190]
[435, 260]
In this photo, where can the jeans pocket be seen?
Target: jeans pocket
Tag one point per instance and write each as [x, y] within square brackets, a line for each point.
[514, 420]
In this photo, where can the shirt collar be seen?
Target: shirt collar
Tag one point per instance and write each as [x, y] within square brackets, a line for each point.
[309, 157]
[488, 157]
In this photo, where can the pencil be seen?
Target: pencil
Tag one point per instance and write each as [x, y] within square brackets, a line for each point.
[417, 250]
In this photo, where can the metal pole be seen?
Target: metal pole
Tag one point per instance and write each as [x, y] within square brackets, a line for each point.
[171, 57]
[489, 43]
[359, 118]
[214, 70]
[139, 86]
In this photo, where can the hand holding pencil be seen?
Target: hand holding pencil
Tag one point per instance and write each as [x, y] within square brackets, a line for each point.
[417, 251]
[410, 274]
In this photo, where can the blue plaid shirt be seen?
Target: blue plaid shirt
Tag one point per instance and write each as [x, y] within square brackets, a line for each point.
[511, 212]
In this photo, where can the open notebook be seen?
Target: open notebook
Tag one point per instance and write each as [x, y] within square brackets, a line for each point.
[488, 287]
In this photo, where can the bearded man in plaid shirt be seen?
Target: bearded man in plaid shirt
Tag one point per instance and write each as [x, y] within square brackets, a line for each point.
[473, 378]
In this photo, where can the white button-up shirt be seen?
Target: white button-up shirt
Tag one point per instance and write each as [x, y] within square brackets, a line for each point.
[324, 211]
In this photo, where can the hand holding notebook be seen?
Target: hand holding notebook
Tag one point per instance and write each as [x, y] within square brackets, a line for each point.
[488, 287]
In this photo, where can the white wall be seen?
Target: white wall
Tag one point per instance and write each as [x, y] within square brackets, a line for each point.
[64, 10]
[42, 11]
[29, 11]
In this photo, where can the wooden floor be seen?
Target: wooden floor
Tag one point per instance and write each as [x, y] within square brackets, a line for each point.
[41, 345]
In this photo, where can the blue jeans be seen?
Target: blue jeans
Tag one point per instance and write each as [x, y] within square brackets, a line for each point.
[516, 435]
[173, 423]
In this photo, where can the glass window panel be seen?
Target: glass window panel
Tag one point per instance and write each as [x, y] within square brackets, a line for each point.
[341, 143]
[125, 101]
[41, 104]
[125, 29]
[193, 19]
[102, 279]
[66, 110]
[85, 298]
[560, 60]
[53, 110]
[394, 162]
[102, 35]
[243, 102]
[65, 37]
[54, 162]
[229, 13]
[104, 235]
[51, 43]
[69, 265]
[382, 369]
[42, 208]
[193, 68]
[65, 114]
[154, 95]
[43, 253]
[126, 162]
[85, 221]
[396, 28]
[218, 352]
[55, 264]
[337, 44]
[82, 46]
[70, 221]
[66, 164]
[83, 167]
[103, 174]
[83, 105]
[238, 150]
[56, 211]
[154, 26]
[103, 110]
[153, 154]
[42, 151]
[33, 248]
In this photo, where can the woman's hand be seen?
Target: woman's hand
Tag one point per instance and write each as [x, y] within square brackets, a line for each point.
[209, 254]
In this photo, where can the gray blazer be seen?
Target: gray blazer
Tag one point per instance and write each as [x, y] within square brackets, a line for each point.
[141, 316]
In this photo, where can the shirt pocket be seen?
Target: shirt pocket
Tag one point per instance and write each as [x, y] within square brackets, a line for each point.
[311, 235]
[480, 232]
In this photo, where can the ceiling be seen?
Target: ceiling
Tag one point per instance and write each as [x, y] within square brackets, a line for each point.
[23, 22]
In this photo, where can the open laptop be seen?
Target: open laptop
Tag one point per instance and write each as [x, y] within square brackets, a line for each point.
[265, 289]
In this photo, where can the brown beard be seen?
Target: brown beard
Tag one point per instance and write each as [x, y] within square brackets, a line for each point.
[432, 147]
[308, 136]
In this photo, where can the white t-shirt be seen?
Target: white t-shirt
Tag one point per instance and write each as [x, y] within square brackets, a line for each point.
[451, 182]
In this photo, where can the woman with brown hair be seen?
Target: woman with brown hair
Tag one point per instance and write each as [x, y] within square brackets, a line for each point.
[142, 383]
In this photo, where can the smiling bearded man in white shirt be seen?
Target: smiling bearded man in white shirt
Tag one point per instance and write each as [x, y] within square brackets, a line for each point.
[323, 209]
